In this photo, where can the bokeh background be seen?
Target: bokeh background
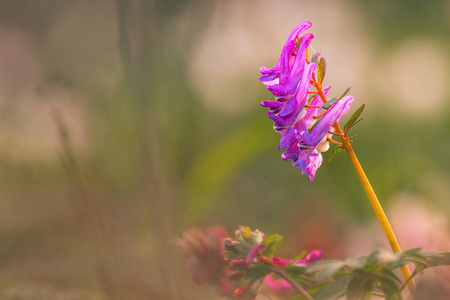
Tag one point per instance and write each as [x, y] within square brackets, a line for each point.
[124, 123]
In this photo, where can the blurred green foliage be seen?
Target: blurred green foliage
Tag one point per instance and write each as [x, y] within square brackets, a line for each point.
[159, 160]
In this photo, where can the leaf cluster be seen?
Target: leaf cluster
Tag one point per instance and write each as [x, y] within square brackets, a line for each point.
[354, 119]
[369, 275]
[356, 278]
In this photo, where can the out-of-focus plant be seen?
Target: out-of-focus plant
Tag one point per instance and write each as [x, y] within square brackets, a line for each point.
[204, 260]
[249, 261]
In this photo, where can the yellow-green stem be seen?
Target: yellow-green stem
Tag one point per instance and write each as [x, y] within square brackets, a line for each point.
[370, 193]
[375, 204]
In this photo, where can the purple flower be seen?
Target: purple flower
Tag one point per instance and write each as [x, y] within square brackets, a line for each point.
[306, 153]
[273, 74]
[289, 81]
[302, 135]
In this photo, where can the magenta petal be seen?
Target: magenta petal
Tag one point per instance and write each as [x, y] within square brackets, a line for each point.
[279, 285]
[332, 115]
[265, 70]
[287, 138]
[285, 58]
[292, 37]
[302, 92]
[311, 112]
[288, 107]
[281, 262]
[310, 258]
[253, 252]
[276, 118]
[309, 162]
[267, 77]
[277, 89]
[314, 164]
[289, 155]
[299, 29]
[299, 64]
[307, 138]
[268, 103]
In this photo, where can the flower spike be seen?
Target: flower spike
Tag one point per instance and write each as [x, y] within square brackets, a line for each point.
[304, 127]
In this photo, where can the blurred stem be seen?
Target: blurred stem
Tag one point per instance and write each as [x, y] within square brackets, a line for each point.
[370, 193]
[409, 280]
[295, 285]
[139, 45]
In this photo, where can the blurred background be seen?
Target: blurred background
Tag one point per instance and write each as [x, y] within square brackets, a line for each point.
[124, 123]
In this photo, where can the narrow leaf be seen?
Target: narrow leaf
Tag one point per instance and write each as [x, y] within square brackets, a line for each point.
[321, 69]
[311, 97]
[360, 287]
[301, 279]
[390, 289]
[388, 273]
[327, 269]
[345, 93]
[295, 270]
[257, 272]
[330, 102]
[297, 258]
[353, 119]
[335, 150]
[353, 136]
[272, 243]
[333, 289]
[357, 121]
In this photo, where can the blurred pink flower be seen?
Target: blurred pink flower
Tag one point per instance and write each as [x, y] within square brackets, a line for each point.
[204, 259]
[281, 285]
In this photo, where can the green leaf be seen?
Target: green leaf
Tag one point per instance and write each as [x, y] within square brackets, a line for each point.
[398, 263]
[357, 121]
[334, 99]
[355, 135]
[314, 58]
[345, 93]
[318, 286]
[299, 276]
[295, 270]
[360, 287]
[373, 256]
[243, 248]
[329, 102]
[297, 258]
[439, 259]
[272, 243]
[321, 69]
[353, 118]
[334, 151]
[257, 271]
[410, 251]
[389, 287]
[298, 297]
[388, 273]
[426, 260]
[356, 262]
[326, 269]
[332, 289]
[310, 98]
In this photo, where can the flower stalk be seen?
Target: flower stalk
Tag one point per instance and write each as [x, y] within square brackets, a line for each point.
[370, 193]
[306, 130]
[280, 272]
